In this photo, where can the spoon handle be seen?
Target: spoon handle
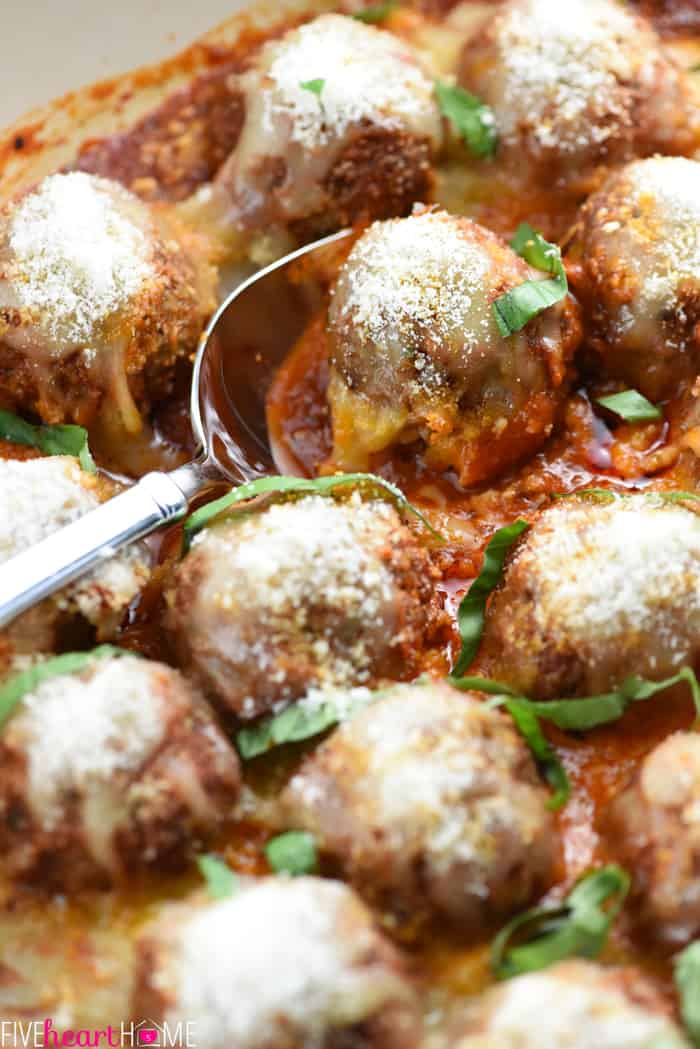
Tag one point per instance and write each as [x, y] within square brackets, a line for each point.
[40, 571]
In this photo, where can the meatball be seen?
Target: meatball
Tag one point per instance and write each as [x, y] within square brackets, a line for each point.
[595, 592]
[634, 259]
[430, 804]
[38, 497]
[99, 297]
[577, 85]
[572, 1005]
[283, 964]
[307, 594]
[655, 826]
[116, 768]
[341, 125]
[416, 354]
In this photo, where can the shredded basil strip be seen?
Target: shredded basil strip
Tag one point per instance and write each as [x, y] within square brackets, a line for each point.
[26, 681]
[687, 980]
[220, 879]
[51, 440]
[314, 86]
[515, 308]
[292, 853]
[318, 486]
[611, 495]
[298, 722]
[631, 406]
[376, 12]
[471, 118]
[545, 755]
[472, 608]
[578, 927]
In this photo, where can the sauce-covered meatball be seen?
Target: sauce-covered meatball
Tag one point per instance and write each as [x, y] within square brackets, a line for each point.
[417, 356]
[635, 263]
[109, 770]
[341, 125]
[38, 497]
[307, 594]
[575, 85]
[655, 828]
[99, 297]
[282, 964]
[572, 1005]
[597, 591]
[430, 804]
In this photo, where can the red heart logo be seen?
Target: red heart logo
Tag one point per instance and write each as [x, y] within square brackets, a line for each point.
[148, 1036]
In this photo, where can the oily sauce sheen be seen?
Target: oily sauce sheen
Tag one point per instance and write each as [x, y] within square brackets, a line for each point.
[172, 151]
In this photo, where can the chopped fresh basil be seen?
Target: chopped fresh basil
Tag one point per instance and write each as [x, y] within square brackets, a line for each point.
[26, 681]
[220, 879]
[545, 755]
[300, 721]
[376, 12]
[687, 979]
[482, 684]
[300, 485]
[470, 616]
[470, 117]
[578, 927]
[515, 308]
[292, 853]
[631, 406]
[51, 440]
[694, 69]
[314, 86]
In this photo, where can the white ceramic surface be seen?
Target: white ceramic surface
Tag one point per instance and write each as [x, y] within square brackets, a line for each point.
[52, 46]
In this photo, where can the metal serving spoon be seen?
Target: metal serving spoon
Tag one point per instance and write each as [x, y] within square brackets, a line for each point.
[246, 339]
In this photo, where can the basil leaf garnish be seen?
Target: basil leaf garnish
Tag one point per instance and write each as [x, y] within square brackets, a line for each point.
[27, 681]
[300, 485]
[578, 927]
[314, 86]
[292, 853]
[376, 12]
[542, 750]
[471, 118]
[687, 980]
[220, 879]
[515, 308]
[299, 721]
[472, 608]
[631, 406]
[51, 440]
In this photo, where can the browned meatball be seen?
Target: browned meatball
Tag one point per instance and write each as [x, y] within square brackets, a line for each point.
[635, 263]
[572, 1005]
[108, 771]
[99, 297]
[416, 354]
[655, 828]
[341, 125]
[38, 497]
[282, 964]
[308, 594]
[578, 84]
[595, 592]
[430, 804]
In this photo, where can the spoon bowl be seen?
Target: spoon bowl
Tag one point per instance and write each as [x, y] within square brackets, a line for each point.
[246, 340]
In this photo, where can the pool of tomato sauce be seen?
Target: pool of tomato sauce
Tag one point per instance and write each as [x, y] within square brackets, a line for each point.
[52, 954]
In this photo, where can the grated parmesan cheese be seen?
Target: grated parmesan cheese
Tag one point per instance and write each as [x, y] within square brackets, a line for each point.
[278, 961]
[40, 496]
[603, 571]
[294, 564]
[78, 731]
[573, 1005]
[79, 252]
[412, 282]
[565, 68]
[368, 75]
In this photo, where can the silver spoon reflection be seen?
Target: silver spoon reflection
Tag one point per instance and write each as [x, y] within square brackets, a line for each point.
[246, 340]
